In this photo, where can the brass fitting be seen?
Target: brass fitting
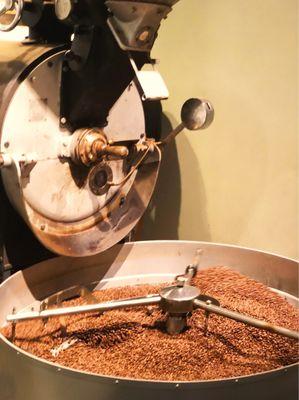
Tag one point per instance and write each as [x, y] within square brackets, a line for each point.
[90, 145]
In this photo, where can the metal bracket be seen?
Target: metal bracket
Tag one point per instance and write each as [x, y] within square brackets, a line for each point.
[151, 83]
[134, 24]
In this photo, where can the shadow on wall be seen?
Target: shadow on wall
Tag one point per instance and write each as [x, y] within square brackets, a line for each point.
[162, 218]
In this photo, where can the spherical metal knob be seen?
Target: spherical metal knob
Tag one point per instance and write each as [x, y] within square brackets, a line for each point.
[197, 114]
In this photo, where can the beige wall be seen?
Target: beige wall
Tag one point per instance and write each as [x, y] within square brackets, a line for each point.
[237, 181]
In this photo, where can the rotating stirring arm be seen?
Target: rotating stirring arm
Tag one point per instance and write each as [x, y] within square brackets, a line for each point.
[177, 301]
[98, 307]
[257, 323]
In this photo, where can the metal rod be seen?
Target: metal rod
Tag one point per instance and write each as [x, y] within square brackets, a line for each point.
[107, 306]
[173, 134]
[246, 319]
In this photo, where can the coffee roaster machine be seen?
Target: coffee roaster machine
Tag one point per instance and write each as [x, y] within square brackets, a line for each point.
[80, 151]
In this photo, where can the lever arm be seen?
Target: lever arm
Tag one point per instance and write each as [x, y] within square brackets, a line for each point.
[196, 114]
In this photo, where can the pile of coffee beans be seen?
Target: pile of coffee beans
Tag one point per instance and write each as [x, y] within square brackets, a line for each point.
[133, 343]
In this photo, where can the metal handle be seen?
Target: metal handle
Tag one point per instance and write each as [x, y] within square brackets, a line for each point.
[196, 114]
[11, 5]
[4, 7]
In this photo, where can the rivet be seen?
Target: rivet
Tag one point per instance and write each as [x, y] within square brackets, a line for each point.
[63, 120]
[177, 385]
[117, 381]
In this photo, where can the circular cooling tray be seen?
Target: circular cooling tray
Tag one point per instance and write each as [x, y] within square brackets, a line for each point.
[26, 376]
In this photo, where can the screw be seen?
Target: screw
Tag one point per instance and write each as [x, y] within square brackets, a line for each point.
[122, 201]
[6, 144]
[43, 227]
[144, 36]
